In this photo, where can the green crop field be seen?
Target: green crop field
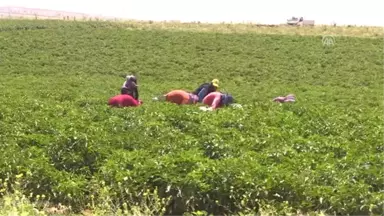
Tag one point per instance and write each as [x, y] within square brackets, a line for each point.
[63, 149]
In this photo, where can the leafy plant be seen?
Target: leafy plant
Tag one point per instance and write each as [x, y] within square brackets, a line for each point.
[321, 155]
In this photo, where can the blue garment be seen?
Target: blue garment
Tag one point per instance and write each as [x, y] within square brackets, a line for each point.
[202, 94]
[204, 90]
[226, 99]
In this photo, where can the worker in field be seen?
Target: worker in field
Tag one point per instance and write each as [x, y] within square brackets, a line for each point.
[124, 100]
[130, 87]
[179, 97]
[217, 100]
[288, 98]
[206, 88]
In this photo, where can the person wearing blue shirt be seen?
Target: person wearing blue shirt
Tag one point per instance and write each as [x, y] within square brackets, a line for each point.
[206, 88]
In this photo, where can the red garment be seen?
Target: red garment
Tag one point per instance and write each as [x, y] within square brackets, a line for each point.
[213, 100]
[123, 100]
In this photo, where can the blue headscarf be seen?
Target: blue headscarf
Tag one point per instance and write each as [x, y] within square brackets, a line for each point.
[227, 99]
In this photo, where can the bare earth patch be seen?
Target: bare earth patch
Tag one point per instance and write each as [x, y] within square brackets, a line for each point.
[323, 30]
[354, 31]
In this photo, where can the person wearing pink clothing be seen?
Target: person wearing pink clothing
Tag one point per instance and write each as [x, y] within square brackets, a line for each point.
[288, 98]
[217, 100]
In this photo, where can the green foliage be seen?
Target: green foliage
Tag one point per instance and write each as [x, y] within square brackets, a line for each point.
[322, 154]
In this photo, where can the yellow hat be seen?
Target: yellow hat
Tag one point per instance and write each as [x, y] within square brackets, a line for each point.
[215, 82]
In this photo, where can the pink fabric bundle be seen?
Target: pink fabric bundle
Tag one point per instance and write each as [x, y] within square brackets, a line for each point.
[288, 98]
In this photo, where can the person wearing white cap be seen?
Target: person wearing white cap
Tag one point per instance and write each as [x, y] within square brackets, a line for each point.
[130, 87]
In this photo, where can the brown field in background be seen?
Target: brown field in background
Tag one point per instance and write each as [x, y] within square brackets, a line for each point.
[355, 31]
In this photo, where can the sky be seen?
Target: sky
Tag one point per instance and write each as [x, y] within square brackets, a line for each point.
[342, 12]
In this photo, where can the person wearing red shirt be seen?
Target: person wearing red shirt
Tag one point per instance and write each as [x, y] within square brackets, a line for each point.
[124, 100]
[217, 99]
